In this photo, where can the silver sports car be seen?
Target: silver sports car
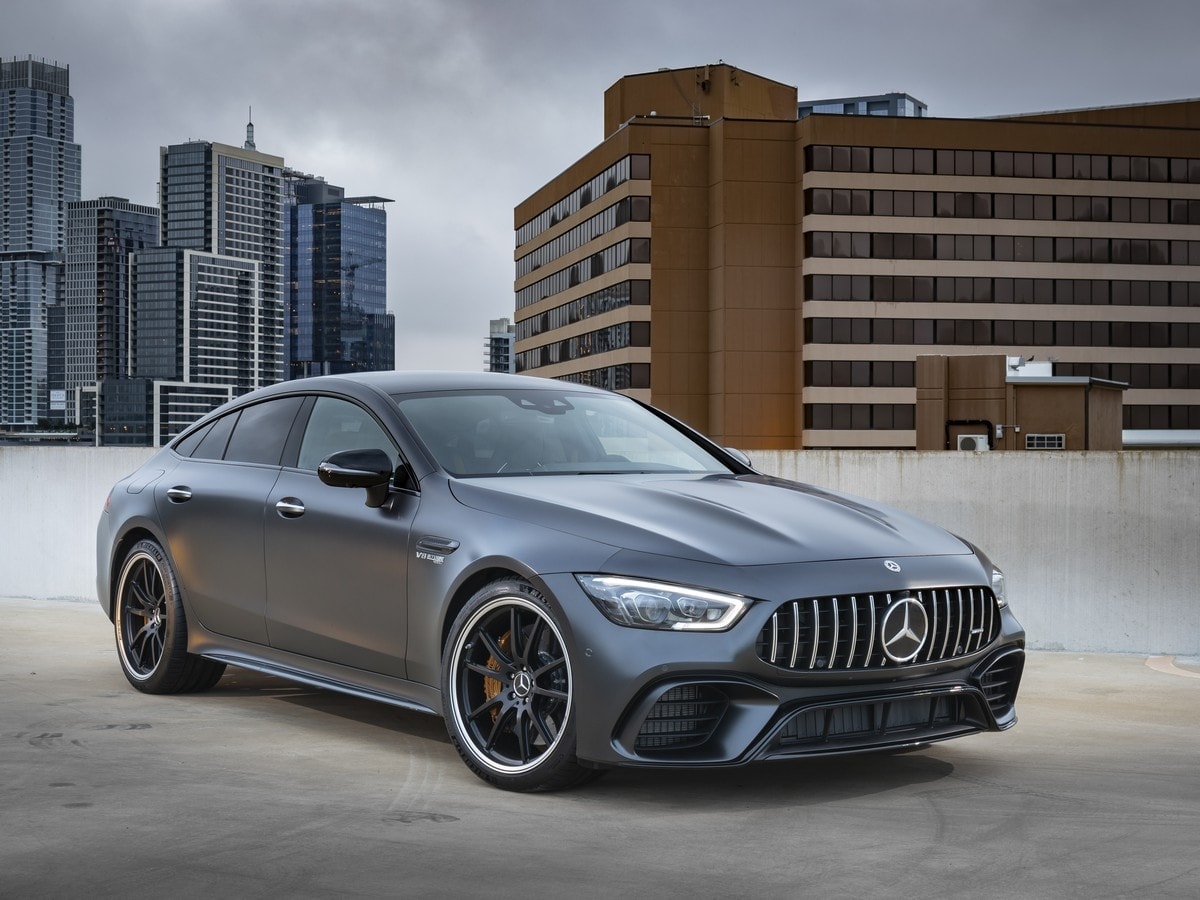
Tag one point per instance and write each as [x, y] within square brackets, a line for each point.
[572, 579]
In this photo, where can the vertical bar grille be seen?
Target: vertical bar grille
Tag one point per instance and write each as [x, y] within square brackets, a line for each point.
[824, 633]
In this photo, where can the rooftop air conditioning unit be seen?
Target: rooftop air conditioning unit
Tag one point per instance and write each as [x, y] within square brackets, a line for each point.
[976, 442]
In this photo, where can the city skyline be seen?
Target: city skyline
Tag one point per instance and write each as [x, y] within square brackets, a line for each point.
[458, 110]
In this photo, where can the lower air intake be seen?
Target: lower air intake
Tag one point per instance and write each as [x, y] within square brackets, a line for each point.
[684, 717]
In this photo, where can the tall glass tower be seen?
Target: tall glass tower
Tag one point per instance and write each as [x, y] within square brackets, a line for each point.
[336, 249]
[207, 317]
[226, 202]
[101, 234]
[39, 176]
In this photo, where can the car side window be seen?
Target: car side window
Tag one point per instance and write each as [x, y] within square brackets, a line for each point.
[212, 444]
[336, 425]
[262, 430]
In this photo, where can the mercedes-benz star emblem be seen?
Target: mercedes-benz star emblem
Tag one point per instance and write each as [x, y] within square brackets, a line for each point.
[903, 630]
[891, 565]
[523, 684]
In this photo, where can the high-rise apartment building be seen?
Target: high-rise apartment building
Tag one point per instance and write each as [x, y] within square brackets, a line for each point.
[39, 177]
[772, 280]
[226, 203]
[101, 236]
[336, 317]
[498, 347]
[207, 321]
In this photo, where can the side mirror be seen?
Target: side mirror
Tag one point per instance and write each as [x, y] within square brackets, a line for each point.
[370, 469]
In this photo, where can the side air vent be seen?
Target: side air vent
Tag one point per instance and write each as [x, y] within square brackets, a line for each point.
[684, 717]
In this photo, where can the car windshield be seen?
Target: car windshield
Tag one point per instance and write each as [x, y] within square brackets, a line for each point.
[548, 432]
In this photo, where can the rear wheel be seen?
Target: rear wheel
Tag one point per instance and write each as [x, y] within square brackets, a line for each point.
[509, 692]
[151, 628]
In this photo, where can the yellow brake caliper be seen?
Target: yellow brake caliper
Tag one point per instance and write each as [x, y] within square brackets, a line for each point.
[493, 686]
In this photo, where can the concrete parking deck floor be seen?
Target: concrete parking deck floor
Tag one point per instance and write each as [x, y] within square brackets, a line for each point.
[263, 789]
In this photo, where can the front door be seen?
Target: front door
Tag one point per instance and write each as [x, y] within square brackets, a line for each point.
[336, 568]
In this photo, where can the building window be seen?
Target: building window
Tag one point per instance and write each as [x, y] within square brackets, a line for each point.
[859, 416]
[1067, 166]
[630, 376]
[636, 166]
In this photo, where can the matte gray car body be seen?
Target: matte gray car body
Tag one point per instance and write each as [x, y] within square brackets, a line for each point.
[459, 565]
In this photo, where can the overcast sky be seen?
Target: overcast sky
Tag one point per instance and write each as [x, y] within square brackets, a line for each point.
[459, 109]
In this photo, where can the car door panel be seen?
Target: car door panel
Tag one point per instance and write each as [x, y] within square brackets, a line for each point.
[336, 568]
[336, 571]
[212, 513]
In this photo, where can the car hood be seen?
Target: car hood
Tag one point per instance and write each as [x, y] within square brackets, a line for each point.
[736, 520]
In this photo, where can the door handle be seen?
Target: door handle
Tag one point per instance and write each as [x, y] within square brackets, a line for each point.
[290, 508]
[179, 494]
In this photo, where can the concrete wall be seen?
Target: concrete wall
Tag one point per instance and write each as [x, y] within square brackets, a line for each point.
[1101, 550]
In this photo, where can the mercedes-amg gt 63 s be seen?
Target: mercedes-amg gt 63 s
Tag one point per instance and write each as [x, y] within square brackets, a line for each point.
[572, 579]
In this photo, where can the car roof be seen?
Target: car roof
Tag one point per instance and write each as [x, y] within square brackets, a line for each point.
[398, 382]
[410, 382]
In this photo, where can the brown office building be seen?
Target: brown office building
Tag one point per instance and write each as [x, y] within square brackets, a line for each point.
[772, 280]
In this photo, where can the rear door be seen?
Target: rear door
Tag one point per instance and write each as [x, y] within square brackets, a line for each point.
[212, 508]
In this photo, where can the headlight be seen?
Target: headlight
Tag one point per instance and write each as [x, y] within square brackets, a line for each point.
[998, 587]
[667, 607]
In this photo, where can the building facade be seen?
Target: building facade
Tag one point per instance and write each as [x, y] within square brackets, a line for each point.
[101, 235]
[894, 104]
[39, 177]
[771, 280]
[207, 303]
[498, 347]
[226, 202]
[96, 355]
[967, 403]
[336, 259]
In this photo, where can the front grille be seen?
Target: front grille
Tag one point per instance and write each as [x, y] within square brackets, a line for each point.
[826, 633]
[682, 718]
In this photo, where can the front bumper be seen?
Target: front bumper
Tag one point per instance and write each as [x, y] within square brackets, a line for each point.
[707, 722]
[652, 698]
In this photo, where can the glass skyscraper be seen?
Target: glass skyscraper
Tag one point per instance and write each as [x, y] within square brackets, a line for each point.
[207, 320]
[39, 176]
[101, 237]
[101, 234]
[226, 202]
[337, 318]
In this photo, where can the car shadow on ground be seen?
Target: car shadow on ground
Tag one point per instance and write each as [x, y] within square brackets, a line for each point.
[808, 781]
[246, 683]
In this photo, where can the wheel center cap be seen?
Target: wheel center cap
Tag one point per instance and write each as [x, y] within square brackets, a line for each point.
[522, 684]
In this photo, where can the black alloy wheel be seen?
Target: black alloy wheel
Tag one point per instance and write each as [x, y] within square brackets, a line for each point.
[151, 629]
[508, 691]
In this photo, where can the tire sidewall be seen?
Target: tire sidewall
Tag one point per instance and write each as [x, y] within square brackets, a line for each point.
[174, 635]
[557, 767]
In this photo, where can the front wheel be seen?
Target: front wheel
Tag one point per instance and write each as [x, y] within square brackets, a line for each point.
[508, 691]
[152, 630]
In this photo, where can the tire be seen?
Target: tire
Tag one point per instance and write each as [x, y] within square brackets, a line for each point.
[151, 628]
[508, 691]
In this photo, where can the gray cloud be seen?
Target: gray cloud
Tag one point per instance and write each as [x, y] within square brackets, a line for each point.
[458, 109]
